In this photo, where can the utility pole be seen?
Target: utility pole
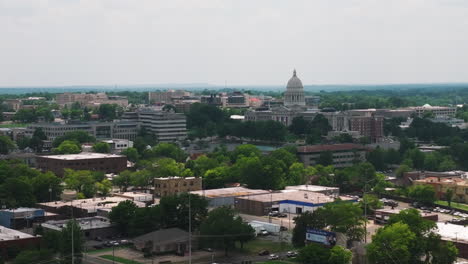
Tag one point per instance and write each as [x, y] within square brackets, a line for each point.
[190, 228]
[72, 236]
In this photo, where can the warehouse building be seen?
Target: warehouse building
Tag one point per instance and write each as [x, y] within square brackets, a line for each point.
[334, 191]
[92, 227]
[23, 217]
[11, 239]
[84, 207]
[226, 196]
[288, 201]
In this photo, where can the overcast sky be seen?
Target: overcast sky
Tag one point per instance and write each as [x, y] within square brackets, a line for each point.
[259, 42]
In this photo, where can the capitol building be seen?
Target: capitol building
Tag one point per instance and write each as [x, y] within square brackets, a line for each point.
[294, 105]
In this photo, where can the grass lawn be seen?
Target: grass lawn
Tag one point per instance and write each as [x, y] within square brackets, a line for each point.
[94, 251]
[454, 205]
[254, 246]
[119, 259]
[274, 262]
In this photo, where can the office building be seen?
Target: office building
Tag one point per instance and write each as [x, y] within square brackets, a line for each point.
[176, 185]
[167, 97]
[344, 155]
[99, 130]
[107, 163]
[167, 126]
[438, 111]
[89, 99]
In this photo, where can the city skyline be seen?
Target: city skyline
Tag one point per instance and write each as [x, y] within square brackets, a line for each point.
[62, 43]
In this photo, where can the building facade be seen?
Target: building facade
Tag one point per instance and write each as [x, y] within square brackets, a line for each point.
[344, 155]
[294, 95]
[100, 130]
[176, 185]
[90, 99]
[165, 125]
[107, 163]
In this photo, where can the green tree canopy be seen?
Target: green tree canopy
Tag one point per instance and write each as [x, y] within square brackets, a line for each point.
[101, 147]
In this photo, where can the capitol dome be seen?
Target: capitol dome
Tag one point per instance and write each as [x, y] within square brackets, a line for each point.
[294, 83]
[294, 95]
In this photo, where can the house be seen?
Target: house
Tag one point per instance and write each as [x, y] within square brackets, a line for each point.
[173, 240]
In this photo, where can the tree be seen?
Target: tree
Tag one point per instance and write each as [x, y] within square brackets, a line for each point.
[6, 145]
[16, 192]
[222, 229]
[422, 193]
[46, 187]
[449, 196]
[392, 244]
[32, 256]
[297, 174]
[372, 203]
[131, 153]
[299, 126]
[340, 255]
[345, 217]
[72, 227]
[67, 147]
[245, 150]
[77, 136]
[402, 170]
[123, 180]
[101, 147]
[108, 112]
[313, 254]
[81, 181]
[314, 220]
[377, 158]
[103, 187]
[325, 158]
[121, 215]
[175, 210]
[167, 150]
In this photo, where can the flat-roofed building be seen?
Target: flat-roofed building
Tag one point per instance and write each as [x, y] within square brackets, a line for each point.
[23, 217]
[84, 207]
[11, 239]
[136, 196]
[457, 234]
[438, 111]
[226, 196]
[99, 130]
[176, 185]
[316, 188]
[92, 227]
[167, 126]
[289, 201]
[344, 155]
[107, 163]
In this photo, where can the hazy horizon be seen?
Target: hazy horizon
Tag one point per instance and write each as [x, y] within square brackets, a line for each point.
[50, 43]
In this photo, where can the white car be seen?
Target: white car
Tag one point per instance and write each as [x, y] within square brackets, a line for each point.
[273, 257]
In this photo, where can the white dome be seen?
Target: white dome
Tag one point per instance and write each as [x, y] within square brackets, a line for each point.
[294, 83]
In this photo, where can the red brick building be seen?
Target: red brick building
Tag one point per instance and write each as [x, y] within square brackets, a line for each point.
[368, 126]
[11, 239]
[107, 163]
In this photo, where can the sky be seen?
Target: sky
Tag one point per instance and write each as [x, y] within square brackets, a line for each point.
[232, 42]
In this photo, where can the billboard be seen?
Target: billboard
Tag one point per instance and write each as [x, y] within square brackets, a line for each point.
[321, 236]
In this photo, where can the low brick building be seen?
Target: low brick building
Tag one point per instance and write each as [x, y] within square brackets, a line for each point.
[11, 239]
[107, 163]
[343, 155]
[175, 185]
[92, 227]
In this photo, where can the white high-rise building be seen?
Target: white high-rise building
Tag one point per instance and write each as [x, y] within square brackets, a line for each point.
[294, 95]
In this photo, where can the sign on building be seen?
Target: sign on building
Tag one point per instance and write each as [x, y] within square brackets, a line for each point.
[321, 236]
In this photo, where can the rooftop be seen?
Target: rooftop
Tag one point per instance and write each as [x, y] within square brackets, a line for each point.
[452, 232]
[175, 178]
[164, 236]
[298, 196]
[11, 234]
[229, 192]
[82, 156]
[136, 196]
[332, 147]
[86, 223]
[92, 204]
[312, 188]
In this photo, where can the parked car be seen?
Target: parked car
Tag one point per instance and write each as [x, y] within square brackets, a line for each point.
[208, 249]
[273, 257]
[263, 252]
[100, 246]
[291, 254]
[283, 228]
[282, 215]
[264, 233]
[273, 214]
